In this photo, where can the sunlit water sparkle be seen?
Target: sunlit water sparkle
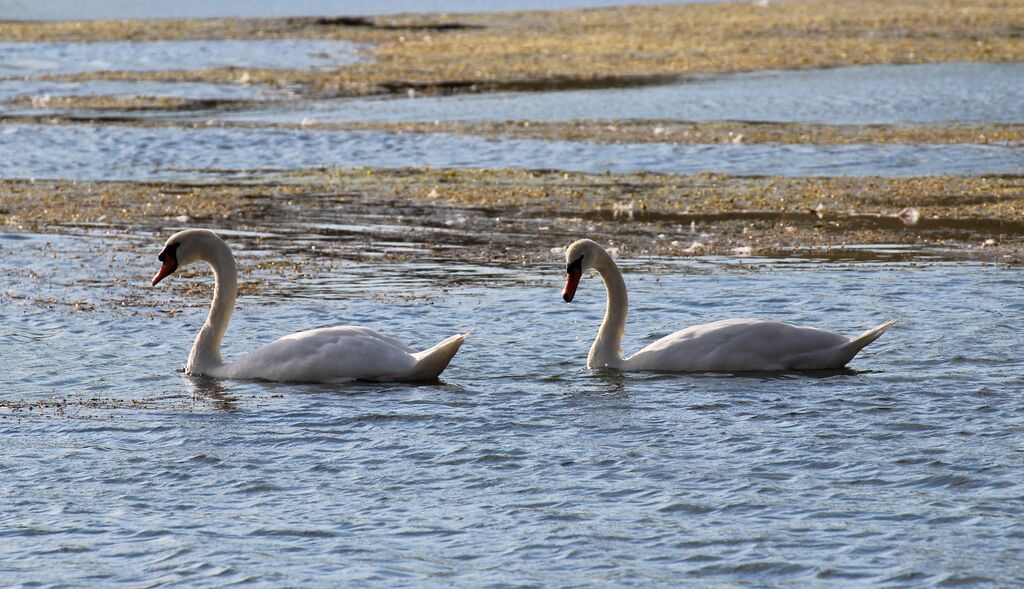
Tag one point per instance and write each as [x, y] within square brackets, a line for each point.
[113, 152]
[933, 93]
[32, 59]
[521, 467]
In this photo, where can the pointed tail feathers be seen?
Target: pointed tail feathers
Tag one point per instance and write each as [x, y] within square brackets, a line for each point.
[849, 350]
[430, 363]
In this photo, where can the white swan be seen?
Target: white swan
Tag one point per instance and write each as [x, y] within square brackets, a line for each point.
[328, 355]
[732, 345]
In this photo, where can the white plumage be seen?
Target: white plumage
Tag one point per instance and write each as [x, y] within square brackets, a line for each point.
[731, 345]
[327, 355]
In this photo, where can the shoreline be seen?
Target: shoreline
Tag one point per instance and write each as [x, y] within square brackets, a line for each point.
[529, 212]
[607, 131]
[597, 47]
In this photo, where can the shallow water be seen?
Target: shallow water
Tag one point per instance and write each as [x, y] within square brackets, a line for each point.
[901, 94]
[117, 152]
[118, 9]
[29, 59]
[40, 89]
[521, 467]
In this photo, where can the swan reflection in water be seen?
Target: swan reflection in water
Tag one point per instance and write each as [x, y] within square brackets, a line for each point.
[212, 391]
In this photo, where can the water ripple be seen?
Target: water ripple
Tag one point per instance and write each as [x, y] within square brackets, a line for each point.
[904, 470]
[113, 152]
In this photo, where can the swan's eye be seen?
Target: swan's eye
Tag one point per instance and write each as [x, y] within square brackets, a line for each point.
[169, 252]
[576, 265]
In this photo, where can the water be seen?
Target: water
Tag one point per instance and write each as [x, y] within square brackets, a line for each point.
[119, 9]
[28, 59]
[902, 94]
[520, 467]
[39, 89]
[118, 152]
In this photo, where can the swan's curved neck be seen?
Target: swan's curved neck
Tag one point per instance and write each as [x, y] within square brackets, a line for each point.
[205, 355]
[607, 349]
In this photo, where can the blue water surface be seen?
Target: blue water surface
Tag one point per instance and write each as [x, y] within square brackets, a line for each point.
[521, 467]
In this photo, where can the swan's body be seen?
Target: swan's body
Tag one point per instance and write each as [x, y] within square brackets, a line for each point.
[327, 355]
[732, 345]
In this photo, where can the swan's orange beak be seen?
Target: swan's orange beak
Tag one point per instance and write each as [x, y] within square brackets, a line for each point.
[573, 273]
[572, 280]
[168, 267]
[170, 264]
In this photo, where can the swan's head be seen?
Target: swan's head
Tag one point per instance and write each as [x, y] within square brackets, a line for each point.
[580, 256]
[184, 248]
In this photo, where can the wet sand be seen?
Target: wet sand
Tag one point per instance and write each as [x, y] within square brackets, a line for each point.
[734, 132]
[517, 217]
[105, 109]
[586, 48]
[530, 212]
[119, 104]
